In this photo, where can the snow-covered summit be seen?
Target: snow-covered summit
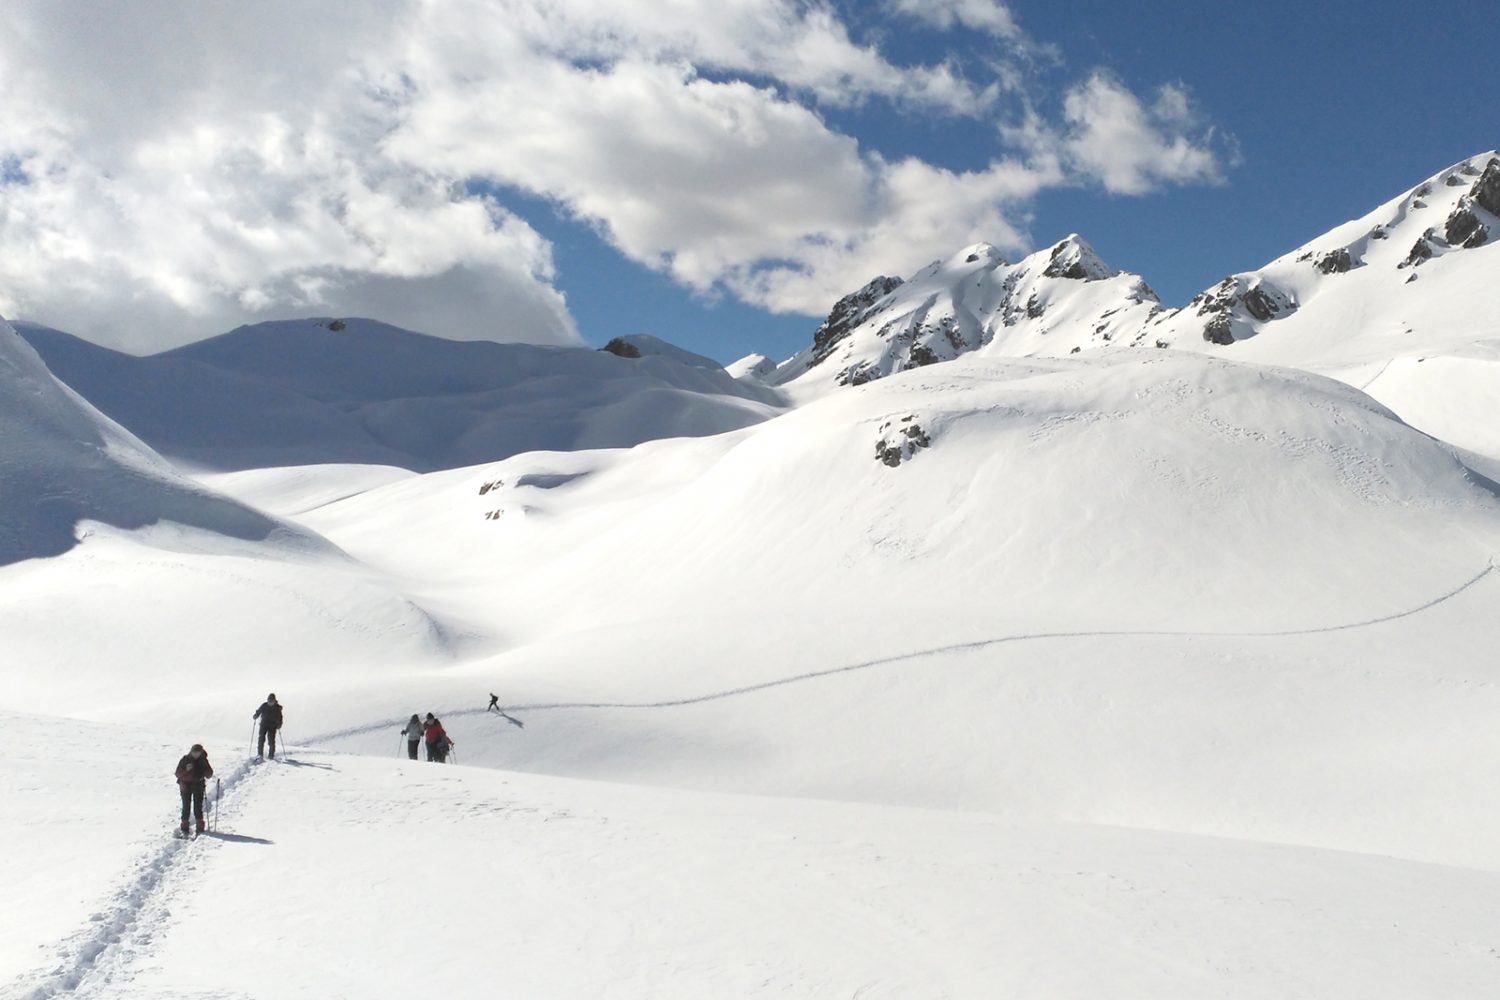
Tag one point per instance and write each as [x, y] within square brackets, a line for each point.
[320, 391]
[974, 300]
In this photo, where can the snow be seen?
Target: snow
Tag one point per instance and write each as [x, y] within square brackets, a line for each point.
[1129, 673]
[338, 876]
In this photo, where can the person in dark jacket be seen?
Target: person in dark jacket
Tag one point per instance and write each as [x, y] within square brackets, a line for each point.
[438, 743]
[269, 715]
[193, 772]
[413, 733]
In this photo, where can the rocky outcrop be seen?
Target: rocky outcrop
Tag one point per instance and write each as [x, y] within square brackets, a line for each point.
[1420, 251]
[848, 313]
[1335, 261]
[1486, 190]
[1227, 304]
[900, 440]
[622, 348]
[1463, 228]
[1075, 259]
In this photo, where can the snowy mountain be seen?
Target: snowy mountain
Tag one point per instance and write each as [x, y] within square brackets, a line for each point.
[1415, 282]
[308, 392]
[1116, 671]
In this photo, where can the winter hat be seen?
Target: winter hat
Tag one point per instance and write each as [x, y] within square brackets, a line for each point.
[271, 697]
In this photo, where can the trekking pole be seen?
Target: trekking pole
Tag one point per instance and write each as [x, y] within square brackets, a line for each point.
[252, 732]
[214, 820]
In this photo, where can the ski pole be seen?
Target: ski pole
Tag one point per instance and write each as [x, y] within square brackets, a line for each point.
[218, 790]
[252, 732]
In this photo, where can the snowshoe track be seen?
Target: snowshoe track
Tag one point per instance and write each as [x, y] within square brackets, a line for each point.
[92, 957]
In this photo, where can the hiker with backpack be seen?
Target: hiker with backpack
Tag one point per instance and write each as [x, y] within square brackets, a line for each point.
[269, 715]
[413, 732]
[438, 743]
[193, 772]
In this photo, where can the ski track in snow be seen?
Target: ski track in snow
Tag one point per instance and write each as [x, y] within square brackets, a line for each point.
[918, 654]
[94, 957]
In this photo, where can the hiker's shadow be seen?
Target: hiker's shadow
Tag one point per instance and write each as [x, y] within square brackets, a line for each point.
[237, 838]
[288, 762]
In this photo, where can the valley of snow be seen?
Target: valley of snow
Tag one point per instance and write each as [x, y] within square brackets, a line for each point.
[1131, 672]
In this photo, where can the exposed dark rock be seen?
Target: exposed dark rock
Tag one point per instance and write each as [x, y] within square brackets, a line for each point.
[1419, 203]
[900, 441]
[1420, 251]
[1034, 309]
[1260, 304]
[1464, 228]
[973, 257]
[336, 325]
[1216, 330]
[1335, 261]
[848, 313]
[1075, 259]
[1423, 191]
[1486, 190]
[1454, 180]
[921, 356]
[1379, 233]
[622, 348]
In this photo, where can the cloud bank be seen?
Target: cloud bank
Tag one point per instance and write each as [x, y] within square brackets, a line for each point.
[169, 171]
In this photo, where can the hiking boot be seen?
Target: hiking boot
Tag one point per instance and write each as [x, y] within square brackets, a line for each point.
[184, 826]
[201, 826]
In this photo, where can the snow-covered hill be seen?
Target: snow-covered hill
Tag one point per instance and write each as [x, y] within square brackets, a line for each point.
[62, 462]
[121, 581]
[312, 392]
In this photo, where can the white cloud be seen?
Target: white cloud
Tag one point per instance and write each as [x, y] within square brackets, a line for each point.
[1131, 147]
[168, 172]
[989, 16]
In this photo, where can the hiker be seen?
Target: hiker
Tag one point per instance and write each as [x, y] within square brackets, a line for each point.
[494, 703]
[269, 715]
[193, 772]
[438, 743]
[413, 733]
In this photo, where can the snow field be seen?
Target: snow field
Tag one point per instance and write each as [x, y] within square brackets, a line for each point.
[351, 877]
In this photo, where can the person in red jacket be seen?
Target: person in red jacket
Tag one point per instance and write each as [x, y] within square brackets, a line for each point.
[193, 772]
[438, 743]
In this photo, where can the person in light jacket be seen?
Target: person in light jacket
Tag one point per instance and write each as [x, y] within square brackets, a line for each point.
[413, 733]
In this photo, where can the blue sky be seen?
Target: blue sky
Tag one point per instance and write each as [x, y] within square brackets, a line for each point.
[714, 173]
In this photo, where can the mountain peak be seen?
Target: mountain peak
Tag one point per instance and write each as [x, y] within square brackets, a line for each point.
[1072, 257]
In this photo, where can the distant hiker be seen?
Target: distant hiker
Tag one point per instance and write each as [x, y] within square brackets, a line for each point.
[494, 706]
[193, 772]
[269, 715]
[413, 733]
[438, 743]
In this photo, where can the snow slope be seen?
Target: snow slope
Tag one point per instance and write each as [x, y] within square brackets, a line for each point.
[121, 580]
[335, 876]
[300, 392]
[1106, 590]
